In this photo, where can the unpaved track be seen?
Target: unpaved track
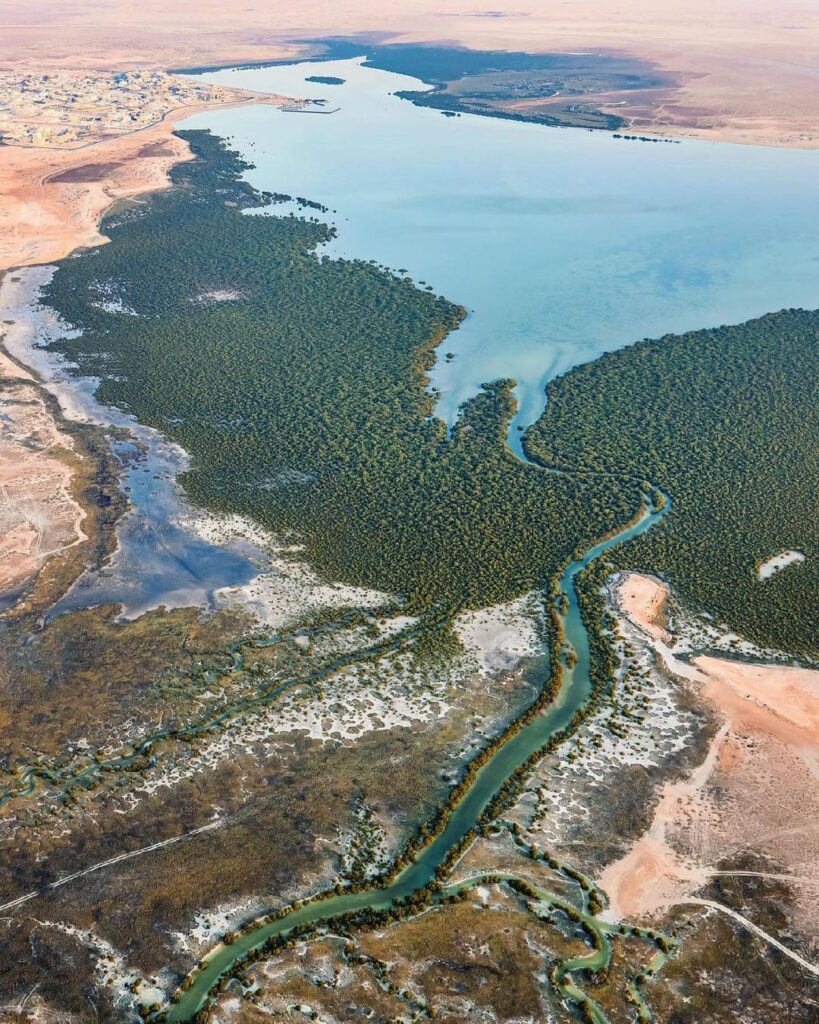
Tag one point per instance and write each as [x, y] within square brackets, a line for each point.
[759, 932]
[218, 823]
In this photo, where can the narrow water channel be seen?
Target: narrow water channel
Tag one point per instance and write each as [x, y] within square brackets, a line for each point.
[575, 690]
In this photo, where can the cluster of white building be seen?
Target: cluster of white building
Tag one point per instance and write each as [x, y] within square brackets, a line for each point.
[67, 108]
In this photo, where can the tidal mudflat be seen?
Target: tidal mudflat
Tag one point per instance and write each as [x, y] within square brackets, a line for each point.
[160, 560]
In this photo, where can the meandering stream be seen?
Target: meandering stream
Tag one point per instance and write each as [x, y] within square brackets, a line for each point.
[564, 245]
[575, 690]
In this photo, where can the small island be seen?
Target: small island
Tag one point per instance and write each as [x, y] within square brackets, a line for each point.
[325, 80]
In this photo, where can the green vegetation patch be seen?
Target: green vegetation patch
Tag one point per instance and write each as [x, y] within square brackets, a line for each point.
[325, 79]
[726, 422]
[296, 382]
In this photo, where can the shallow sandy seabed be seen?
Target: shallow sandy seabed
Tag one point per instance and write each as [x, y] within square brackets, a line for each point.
[755, 792]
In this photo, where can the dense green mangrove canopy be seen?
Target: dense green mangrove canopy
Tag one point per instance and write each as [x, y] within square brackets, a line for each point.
[726, 421]
[296, 383]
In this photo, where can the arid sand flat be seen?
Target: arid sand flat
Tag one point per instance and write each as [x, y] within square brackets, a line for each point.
[759, 776]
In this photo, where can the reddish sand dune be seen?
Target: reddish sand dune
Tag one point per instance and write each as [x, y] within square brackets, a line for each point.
[643, 599]
[43, 218]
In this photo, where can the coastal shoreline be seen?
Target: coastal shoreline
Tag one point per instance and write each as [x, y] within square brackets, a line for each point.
[44, 220]
[652, 610]
[60, 486]
[749, 77]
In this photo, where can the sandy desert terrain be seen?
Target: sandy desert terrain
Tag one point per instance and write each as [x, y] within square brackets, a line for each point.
[748, 67]
[53, 199]
[754, 794]
[39, 516]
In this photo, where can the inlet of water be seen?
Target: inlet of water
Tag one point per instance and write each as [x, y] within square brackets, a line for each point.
[562, 244]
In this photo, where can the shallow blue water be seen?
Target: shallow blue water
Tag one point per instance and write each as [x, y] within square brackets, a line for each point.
[159, 560]
[562, 243]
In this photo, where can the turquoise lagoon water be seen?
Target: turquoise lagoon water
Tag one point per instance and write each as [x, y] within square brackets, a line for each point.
[561, 243]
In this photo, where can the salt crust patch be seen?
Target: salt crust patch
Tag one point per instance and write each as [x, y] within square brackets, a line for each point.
[588, 764]
[393, 694]
[657, 732]
[210, 925]
[370, 831]
[779, 562]
[354, 702]
[111, 971]
[287, 589]
[660, 729]
[220, 295]
[694, 635]
[497, 638]
[109, 299]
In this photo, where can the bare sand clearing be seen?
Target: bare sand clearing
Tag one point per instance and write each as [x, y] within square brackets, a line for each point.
[643, 600]
[747, 68]
[771, 566]
[38, 514]
[756, 792]
[52, 200]
[653, 875]
[497, 638]
[10, 369]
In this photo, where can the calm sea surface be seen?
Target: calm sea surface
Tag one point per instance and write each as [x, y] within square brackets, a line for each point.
[561, 243]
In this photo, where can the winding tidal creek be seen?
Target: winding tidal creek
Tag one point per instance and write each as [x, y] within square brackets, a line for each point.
[574, 692]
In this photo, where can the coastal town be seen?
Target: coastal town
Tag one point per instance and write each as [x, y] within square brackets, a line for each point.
[69, 110]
